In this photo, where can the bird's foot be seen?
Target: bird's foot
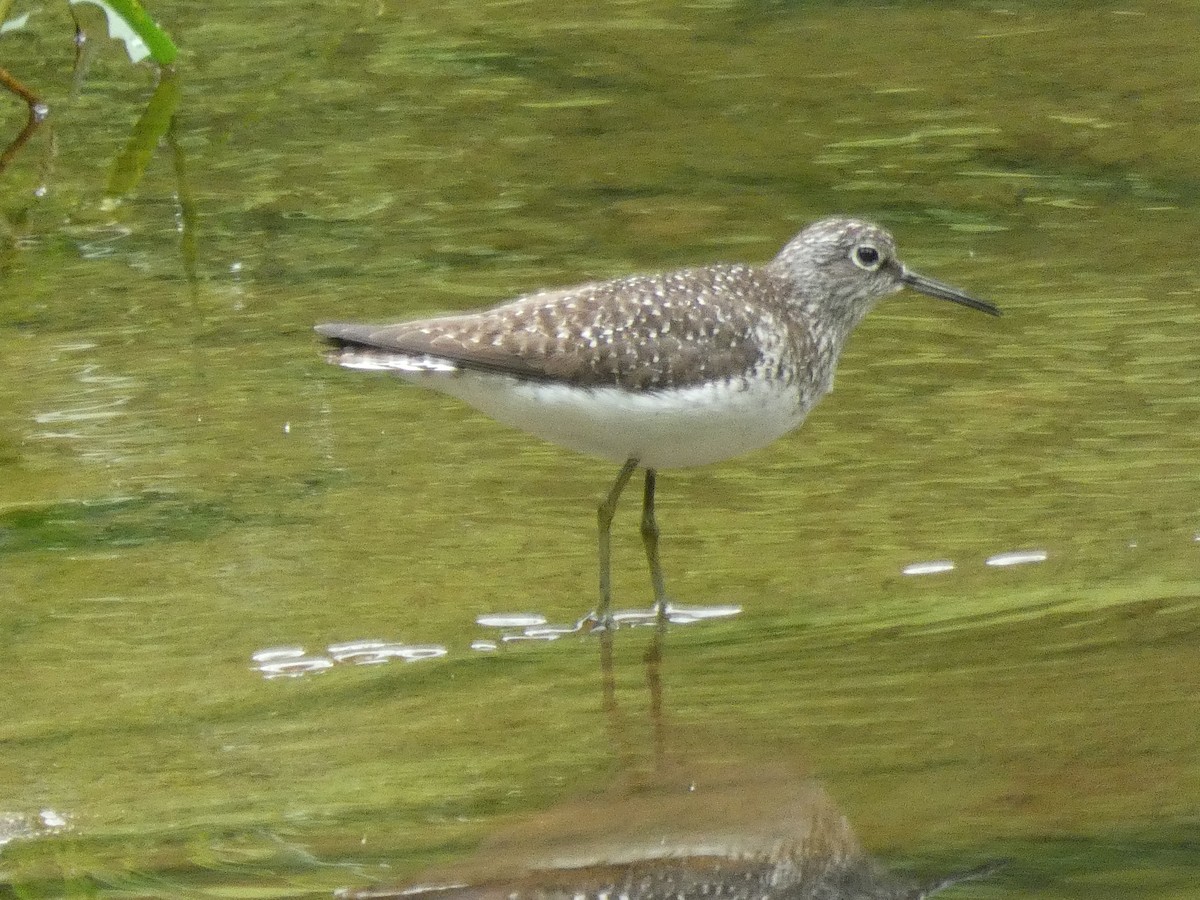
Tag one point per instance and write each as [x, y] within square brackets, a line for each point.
[598, 622]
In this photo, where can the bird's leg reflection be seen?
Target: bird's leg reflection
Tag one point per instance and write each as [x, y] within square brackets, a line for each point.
[608, 696]
[608, 682]
[654, 653]
[653, 660]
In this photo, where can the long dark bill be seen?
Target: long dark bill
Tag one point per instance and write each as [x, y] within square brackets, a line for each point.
[943, 291]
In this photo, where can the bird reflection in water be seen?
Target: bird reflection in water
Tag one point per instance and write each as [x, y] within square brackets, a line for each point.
[683, 831]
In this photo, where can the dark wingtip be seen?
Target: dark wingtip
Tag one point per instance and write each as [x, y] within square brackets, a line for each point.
[342, 333]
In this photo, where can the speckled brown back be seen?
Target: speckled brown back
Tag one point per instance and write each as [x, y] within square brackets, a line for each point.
[643, 332]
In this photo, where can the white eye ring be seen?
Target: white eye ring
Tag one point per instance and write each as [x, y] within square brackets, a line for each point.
[867, 256]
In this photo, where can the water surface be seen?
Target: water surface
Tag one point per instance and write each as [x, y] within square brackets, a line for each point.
[184, 484]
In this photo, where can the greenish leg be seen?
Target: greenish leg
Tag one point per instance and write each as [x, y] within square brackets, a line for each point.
[650, 541]
[604, 517]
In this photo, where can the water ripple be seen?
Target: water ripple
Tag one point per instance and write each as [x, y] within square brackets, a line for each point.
[1017, 558]
[534, 626]
[295, 661]
[932, 567]
[510, 620]
[996, 560]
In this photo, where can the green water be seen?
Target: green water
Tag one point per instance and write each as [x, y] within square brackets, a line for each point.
[184, 483]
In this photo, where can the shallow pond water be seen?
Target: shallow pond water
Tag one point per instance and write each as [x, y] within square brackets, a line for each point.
[961, 605]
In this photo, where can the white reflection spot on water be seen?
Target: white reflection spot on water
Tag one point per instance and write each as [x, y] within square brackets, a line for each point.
[414, 654]
[292, 662]
[52, 819]
[274, 654]
[702, 613]
[550, 632]
[1017, 558]
[540, 635]
[932, 567]
[510, 620]
[352, 647]
[294, 668]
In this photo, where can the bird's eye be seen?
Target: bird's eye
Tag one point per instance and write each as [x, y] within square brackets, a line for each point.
[867, 257]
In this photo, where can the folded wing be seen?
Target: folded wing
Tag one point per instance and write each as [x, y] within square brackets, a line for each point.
[644, 332]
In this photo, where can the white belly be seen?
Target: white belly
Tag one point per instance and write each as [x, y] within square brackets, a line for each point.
[688, 427]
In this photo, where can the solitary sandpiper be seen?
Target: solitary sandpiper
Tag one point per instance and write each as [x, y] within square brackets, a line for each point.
[657, 371]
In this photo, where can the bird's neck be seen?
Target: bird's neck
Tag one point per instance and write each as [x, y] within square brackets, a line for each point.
[820, 334]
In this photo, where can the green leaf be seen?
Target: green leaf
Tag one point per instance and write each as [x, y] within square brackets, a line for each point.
[130, 24]
[131, 164]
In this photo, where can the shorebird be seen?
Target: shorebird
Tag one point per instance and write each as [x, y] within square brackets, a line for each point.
[660, 371]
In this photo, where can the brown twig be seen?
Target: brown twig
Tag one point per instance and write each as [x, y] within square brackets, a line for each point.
[37, 114]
